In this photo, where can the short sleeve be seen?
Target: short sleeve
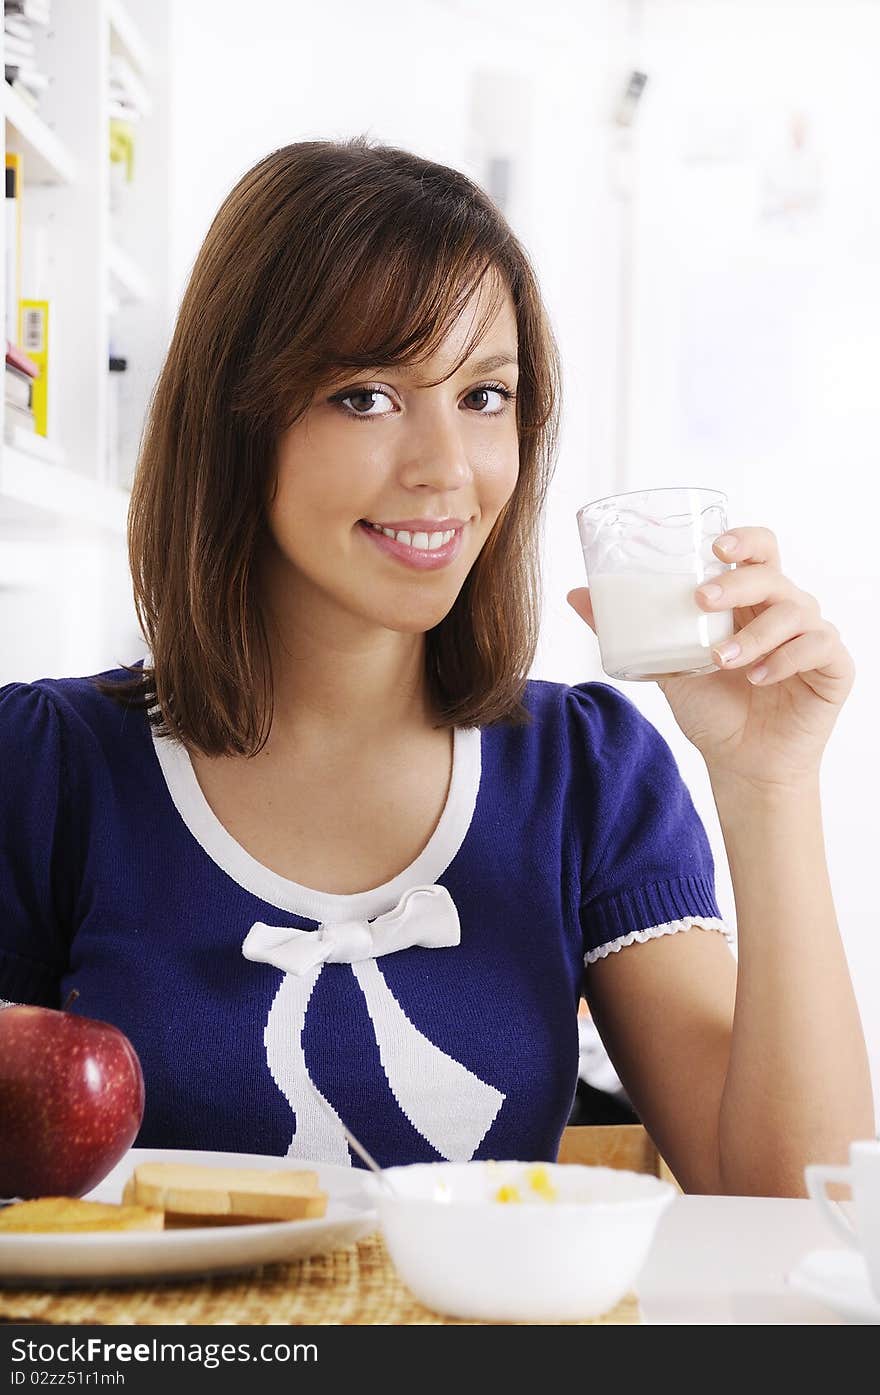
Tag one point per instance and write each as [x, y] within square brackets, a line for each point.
[647, 867]
[35, 870]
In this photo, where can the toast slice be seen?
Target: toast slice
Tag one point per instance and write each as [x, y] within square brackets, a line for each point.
[72, 1214]
[198, 1194]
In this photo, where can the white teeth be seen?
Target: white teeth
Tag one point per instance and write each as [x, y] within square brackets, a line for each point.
[425, 542]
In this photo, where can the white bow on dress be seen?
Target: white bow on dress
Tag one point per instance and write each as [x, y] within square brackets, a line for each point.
[424, 915]
[445, 1102]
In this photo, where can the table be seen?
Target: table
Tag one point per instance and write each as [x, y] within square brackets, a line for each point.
[723, 1259]
[720, 1260]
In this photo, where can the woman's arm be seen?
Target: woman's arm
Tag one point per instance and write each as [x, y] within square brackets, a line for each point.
[664, 1010]
[798, 1084]
[743, 1073]
[786, 1080]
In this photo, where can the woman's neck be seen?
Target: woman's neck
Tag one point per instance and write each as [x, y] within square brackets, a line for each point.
[363, 688]
[338, 678]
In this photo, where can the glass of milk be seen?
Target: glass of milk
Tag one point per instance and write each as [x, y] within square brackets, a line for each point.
[645, 554]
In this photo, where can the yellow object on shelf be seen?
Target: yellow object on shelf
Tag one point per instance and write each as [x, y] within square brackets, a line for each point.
[33, 336]
[122, 145]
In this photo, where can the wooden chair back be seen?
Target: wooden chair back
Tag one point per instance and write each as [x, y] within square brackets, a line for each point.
[628, 1146]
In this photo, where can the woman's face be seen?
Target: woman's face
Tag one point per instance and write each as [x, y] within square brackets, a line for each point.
[433, 466]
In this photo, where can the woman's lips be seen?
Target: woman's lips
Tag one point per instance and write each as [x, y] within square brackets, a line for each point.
[420, 558]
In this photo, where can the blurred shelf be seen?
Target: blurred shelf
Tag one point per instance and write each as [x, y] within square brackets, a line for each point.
[126, 38]
[45, 159]
[37, 493]
[127, 281]
[31, 443]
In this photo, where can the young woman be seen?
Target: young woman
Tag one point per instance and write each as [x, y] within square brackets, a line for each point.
[328, 854]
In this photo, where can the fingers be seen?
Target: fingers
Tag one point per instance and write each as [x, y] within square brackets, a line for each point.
[788, 636]
[774, 627]
[580, 601]
[820, 651]
[749, 545]
[759, 584]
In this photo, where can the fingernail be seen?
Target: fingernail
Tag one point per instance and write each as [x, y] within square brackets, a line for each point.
[726, 652]
[758, 674]
[727, 543]
[711, 592]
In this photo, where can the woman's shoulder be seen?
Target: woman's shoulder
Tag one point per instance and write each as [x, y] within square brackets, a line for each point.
[76, 705]
[576, 735]
[590, 710]
[593, 734]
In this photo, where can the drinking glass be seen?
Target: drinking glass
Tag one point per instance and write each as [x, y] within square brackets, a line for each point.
[645, 553]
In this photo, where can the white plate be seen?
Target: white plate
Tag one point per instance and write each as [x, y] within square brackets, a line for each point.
[838, 1278]
[129, 1256]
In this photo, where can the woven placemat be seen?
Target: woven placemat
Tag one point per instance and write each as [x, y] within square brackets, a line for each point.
[357, 1286]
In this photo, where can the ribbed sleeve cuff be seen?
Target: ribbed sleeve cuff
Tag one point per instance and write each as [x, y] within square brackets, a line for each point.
[658, 903]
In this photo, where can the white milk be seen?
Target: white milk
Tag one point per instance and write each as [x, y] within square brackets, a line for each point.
[650, 623]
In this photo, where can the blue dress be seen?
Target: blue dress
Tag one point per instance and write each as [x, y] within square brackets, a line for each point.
[435, 1015]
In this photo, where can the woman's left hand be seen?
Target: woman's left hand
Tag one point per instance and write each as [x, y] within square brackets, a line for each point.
[767, 730]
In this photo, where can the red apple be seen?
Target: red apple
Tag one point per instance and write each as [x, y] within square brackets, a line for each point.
[71, 1101]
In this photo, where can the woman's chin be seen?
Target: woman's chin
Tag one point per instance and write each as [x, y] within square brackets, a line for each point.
[413, 620]
[415, 627]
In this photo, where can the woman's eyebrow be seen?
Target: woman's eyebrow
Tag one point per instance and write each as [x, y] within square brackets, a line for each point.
[487, 365]
[484, 365]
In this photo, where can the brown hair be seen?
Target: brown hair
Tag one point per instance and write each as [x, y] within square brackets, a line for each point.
[325, 256]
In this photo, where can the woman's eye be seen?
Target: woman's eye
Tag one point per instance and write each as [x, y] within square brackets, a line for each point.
[364, 394]
[482, 393]
[489, 400]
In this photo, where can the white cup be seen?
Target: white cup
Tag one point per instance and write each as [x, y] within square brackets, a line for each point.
[862, 1174]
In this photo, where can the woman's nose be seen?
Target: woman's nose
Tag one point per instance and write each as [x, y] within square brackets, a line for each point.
[436, 454]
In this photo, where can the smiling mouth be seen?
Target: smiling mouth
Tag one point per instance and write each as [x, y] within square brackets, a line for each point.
[422, 540]
[422, 551]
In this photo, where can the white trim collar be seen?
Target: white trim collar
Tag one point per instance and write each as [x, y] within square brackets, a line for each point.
[286, 895]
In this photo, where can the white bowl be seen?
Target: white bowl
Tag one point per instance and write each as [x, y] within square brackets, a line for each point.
[464, 1253]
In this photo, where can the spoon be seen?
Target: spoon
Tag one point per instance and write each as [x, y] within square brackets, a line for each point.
[367, 1157]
